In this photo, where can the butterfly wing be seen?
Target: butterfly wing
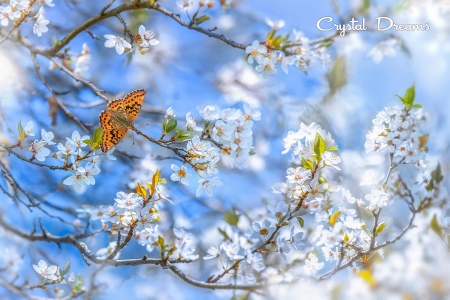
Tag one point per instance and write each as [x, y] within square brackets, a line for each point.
[132, 103]
[113, 132]
[113, 119]
[117, 105]
[111, 138]
[106, 121]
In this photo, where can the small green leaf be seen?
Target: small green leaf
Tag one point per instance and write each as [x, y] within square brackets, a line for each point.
[436, 175]
[416, 106]
[401, 99]
[380, 227]
[161, 242]
[98, 134]
[66, 268]
[326, 44]
[367, 276]
[409, 97]
[333, 148]
[270, 35]
[202, 19]
[19, 126]
[319, 146]
[231, 218]
[78, 284]
[301, 221]
[334, 217]
[56, 41]
[307, 163]
[130, 56]
[364, 7]
[170, 125]
[224, 234]
[435, 226]
[183, 135]
[171, 251]
[87, 142]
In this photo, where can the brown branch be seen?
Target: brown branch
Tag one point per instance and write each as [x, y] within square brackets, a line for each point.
[73, 240]
[96, 90]
[54, 93]
[17, 291]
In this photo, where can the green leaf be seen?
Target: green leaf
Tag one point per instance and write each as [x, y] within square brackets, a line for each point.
[334, 217]
[333, 148]
[380, 227]
[436, 175]
[224, 234]
[307, 163]
[301, 221]
[170, 125]
[416, 106]
[409, 97]
[87, 142]
[270, 35]
[326, 44]
[78, 284]
[161, 242]
[319, 146]
[434, 224]
[401, 98]
[56, 41]
[367, 276]
[98, 134]
[231, 218]
[19, 126]
[202, 19]
[66, 268]
[364, 7]
[183, 135]
[130, 56]
[336, 77]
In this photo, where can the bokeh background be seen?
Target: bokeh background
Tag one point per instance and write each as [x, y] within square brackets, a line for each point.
[188, 69]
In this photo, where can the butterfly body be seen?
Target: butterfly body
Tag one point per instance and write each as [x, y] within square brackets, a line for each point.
[118, 117]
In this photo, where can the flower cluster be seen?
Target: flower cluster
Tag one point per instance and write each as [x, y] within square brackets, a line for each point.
[313, 149]
[144, 38]
[18, 10]
[230, 130]
[37, 147]
[233, 130]
[238, 251]
[71, 154]
[272, 52]
[225, 132]
[129, 209]
[395, 130]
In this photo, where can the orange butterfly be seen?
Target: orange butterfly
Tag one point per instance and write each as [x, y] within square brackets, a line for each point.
[118, 117]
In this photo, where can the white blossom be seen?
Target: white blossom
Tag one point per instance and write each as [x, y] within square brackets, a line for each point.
[147, 37]
[207, 185]
[119, 43]
[180, 174]
[213, 252]
[47, 272]
[40, 26]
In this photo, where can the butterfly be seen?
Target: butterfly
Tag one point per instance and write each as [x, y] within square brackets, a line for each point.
[118, 117]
